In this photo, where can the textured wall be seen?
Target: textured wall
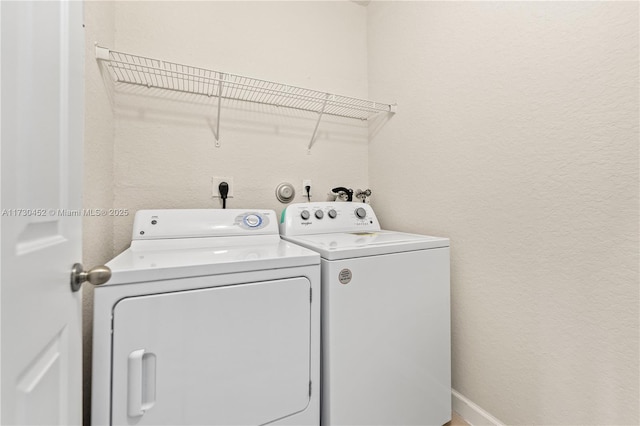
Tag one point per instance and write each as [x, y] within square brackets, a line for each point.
[98, 169]
[164, 147]
[517, 137]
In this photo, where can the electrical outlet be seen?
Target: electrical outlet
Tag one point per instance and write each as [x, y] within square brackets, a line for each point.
[305, 183]
[215, 181]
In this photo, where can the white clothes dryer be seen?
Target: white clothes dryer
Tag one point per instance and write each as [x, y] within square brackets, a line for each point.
[386, 357]
[209, 319]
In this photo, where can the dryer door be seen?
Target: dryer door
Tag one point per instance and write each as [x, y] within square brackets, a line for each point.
[223, 355]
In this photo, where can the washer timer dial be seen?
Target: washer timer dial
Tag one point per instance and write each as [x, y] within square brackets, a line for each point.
[304, 214]
[360, 213]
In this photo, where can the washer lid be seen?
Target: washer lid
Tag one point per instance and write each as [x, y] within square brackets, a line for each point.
[182, 258]
[349, 245]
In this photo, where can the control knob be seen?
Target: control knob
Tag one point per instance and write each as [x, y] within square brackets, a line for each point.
[319, 214]
[361, 213]
[304, 215]
[332, 214]
[252, 220]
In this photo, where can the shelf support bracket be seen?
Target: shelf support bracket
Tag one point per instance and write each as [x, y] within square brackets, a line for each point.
[102, 53]
[315, 130]
[216, 132]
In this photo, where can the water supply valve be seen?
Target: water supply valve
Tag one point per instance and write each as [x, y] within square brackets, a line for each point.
[341, 193]
[363, 195]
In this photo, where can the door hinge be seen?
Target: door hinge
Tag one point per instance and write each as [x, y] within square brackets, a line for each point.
[310, 387]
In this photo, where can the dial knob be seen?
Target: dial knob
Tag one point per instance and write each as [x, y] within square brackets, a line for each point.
[361, 213]
[319, 214]
[252, 220]
[332, 214]
[304, 214]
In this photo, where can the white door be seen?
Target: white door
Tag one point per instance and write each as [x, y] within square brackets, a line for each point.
[42, 126]
[230, 355]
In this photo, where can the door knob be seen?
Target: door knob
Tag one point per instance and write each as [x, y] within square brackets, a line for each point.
[97, 275]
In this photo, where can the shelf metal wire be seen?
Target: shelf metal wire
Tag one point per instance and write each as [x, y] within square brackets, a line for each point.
[149, 72]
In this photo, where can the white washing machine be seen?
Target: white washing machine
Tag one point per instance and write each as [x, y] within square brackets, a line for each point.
[209, 319]
[386, 357]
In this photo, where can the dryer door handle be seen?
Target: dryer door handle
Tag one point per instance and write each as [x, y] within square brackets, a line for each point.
[141, 382]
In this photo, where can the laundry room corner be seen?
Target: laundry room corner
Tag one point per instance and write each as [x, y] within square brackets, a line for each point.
[516, 139]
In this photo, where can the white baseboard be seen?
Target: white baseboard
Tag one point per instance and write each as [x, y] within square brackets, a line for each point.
[470, 412]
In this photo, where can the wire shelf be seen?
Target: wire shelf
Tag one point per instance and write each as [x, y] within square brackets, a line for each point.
[149, 72]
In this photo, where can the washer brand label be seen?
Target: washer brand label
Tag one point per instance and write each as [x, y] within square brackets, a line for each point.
[345, 276]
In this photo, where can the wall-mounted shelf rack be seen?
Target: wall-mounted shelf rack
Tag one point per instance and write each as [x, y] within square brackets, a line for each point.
[149, 72]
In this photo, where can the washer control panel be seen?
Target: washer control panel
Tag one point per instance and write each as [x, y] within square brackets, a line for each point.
[328, 217]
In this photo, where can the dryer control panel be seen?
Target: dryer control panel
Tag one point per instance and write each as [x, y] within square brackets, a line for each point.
[327, 217]
[197, 223]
